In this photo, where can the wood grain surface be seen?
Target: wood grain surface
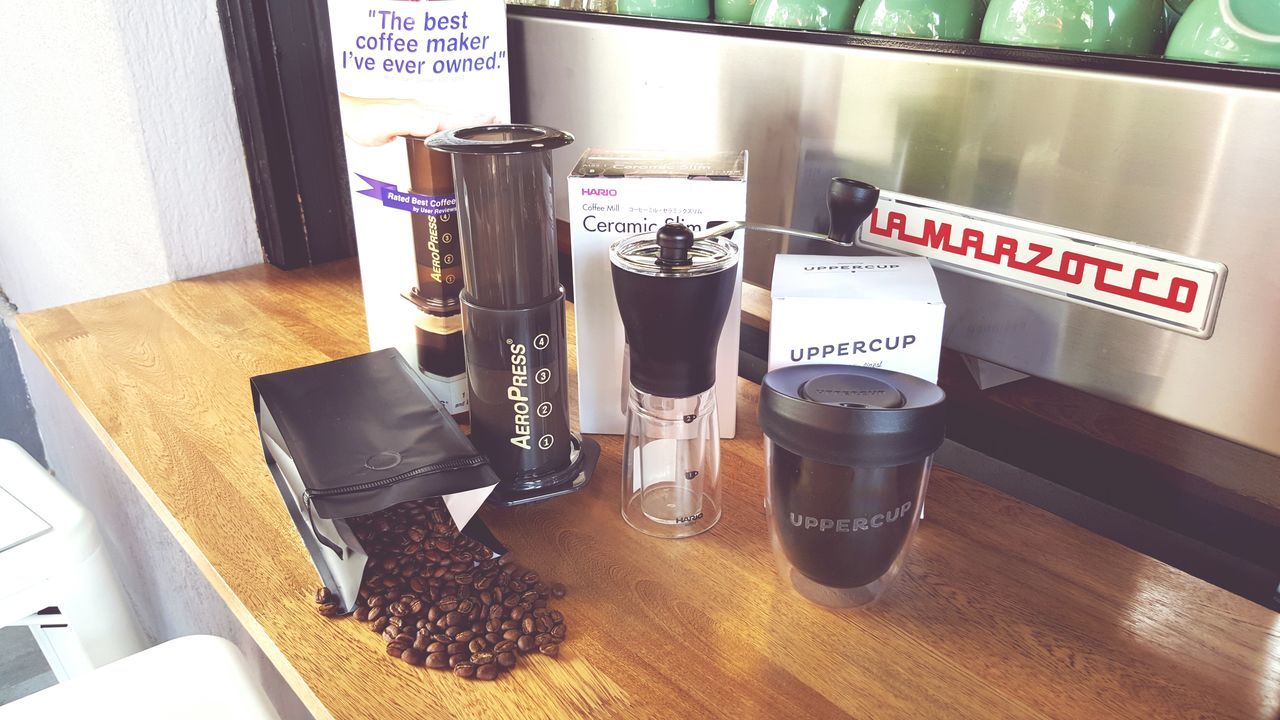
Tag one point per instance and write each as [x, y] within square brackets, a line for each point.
[1003, 611]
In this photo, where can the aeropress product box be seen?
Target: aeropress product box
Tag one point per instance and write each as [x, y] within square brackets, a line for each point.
[356, 436]
[615, 194]
[883, 312]
[405, 71]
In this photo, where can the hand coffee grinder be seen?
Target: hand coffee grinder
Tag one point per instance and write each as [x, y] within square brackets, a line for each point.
[513, 312]
[674, 290]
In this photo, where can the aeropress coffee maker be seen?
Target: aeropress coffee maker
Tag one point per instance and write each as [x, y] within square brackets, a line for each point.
[674, 289]
[513, 311]
[847, 451]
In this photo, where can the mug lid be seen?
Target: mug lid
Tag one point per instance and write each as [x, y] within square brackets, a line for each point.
[852, 416]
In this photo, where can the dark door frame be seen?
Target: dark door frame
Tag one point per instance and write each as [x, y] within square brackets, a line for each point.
[281, 65]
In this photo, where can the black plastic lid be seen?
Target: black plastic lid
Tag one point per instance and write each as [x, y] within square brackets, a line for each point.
[852, 416]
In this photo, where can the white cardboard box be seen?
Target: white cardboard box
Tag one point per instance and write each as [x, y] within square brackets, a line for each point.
[444, 64]
[616, 194]
[871, 311]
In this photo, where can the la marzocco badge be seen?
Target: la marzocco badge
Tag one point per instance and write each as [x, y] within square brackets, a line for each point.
[1152, 285]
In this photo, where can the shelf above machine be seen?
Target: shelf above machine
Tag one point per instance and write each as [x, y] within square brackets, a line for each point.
[1238, 75]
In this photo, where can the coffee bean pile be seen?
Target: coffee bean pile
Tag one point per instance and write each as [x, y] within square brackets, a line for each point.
[441, 600]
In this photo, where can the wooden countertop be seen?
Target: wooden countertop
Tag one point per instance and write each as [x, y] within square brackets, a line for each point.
[1003, 610]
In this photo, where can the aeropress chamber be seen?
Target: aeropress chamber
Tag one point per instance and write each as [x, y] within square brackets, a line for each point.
[513, 312]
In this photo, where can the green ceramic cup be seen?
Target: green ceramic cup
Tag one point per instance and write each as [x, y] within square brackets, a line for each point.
[674, 9]
[1244, 32]
[1123, 27]
[830, 15]
[734, 11]
[936, 19]
[1171, 16]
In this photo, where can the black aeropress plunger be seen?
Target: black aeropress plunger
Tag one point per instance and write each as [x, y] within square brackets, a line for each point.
[513, 311]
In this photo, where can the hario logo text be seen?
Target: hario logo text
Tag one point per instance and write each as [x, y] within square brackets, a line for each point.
[600, 192]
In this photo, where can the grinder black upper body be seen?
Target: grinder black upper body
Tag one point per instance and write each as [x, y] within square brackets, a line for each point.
[673, 309]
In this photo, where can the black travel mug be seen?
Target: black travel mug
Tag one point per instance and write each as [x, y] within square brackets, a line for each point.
[848, 452]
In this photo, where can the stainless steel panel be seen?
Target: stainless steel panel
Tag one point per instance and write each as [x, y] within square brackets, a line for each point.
[1189, 167]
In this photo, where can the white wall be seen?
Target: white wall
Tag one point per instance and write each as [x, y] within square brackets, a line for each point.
[190, 135]
[120, 158]
[121, 167]
[78, 216]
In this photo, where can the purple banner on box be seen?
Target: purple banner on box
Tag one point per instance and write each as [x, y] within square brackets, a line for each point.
[390, 196]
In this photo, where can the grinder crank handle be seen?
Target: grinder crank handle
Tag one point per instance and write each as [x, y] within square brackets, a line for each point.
[849, 202]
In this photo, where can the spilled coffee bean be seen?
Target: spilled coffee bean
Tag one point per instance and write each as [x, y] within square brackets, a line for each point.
[441, 600]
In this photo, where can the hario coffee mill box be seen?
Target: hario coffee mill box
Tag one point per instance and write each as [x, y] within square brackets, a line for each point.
[616, 194]
[883, 312]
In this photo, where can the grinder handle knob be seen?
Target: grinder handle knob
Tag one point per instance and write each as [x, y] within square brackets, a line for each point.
[850, 203]
[674, 243]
